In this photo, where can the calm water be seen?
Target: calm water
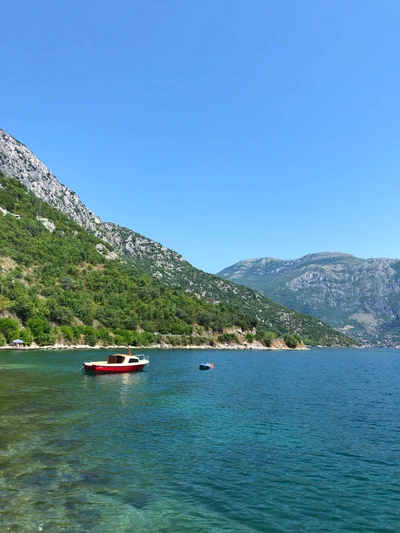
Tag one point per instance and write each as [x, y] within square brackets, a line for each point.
[266, 442]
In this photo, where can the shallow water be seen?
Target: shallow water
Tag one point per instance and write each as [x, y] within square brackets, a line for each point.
[267, 442]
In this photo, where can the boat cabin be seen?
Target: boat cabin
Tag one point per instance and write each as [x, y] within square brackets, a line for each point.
[119, 359]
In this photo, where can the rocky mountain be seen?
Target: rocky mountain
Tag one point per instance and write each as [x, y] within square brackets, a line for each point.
[16, 160]
[358, 296]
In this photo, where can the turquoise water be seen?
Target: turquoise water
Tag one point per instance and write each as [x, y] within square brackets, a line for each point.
[266, 442]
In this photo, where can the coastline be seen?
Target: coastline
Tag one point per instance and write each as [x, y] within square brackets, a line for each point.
[246, 346]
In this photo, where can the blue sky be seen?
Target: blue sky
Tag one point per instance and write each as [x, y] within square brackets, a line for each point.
[225, 130]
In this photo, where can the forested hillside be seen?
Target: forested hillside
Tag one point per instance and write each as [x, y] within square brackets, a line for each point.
[163, 265]
[54, 273]
[59, 282]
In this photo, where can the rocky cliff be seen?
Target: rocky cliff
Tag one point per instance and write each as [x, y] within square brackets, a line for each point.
[16, 160]
[358, 296]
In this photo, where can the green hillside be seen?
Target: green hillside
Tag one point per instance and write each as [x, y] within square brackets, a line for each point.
[59, 278]
[59, 285]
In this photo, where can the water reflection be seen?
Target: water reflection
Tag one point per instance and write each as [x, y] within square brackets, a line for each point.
[121, 387]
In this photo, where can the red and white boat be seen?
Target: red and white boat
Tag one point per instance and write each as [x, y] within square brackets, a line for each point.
[118, 363]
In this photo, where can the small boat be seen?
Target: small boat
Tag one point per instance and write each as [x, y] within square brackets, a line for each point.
[206, 366]
[118, 363]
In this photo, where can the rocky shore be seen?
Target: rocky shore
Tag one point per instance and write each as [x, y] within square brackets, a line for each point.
[255, 345]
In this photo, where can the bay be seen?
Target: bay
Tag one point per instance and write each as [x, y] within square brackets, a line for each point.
[267, 441]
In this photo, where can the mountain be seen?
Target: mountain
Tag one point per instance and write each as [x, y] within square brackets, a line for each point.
[62, 283]
[153, 259]
[358, 296]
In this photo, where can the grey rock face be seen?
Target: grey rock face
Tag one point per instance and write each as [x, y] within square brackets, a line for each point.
[48, 224]
[362, 295]
[18, 161]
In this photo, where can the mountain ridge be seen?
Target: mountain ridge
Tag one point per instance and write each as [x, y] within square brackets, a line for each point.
[19, 161]
[359, 296]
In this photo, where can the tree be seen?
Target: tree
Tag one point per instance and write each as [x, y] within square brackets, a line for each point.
[9, 327]
[3, 340]
[26, 336]
[292, 340]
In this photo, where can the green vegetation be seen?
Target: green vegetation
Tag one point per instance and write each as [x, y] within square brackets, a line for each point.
[228, 338]
[292, 340]
[60, 288]
[269, 314]
[266, 337]
[250, 337]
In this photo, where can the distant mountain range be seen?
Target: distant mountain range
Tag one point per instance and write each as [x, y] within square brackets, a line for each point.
[161, 263]
[358, 296]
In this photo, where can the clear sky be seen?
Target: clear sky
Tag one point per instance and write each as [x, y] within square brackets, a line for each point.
[224, 129]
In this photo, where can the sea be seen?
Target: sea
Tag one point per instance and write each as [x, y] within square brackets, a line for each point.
[267, 441]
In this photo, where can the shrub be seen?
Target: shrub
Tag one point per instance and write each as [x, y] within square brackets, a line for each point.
[26, 336]
[228, 337]
[266, 337]
[67, 332]
[174, 341]
[105, 337]
[3, 340]
[121, 340]
[9, 327]
[250, 337]
[292, 340]
[147, 338]
[46, 339]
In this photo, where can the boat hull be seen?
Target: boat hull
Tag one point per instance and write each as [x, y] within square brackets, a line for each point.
[109, 368]
[206, 366]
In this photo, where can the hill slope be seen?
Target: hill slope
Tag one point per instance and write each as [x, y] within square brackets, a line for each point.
[360, 295]
[55, 274]
[154, 259]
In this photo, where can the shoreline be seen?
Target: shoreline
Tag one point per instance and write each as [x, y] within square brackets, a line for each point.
[249, 347]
